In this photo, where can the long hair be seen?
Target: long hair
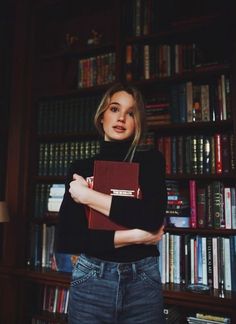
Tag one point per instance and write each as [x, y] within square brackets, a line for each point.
[139, 113]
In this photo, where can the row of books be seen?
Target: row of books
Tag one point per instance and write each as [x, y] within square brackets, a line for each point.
[42, 240]
[55, 157]
[66, 115]
[202, 318]
[97, 70]
[54, 299]
[198, 154]
[188, 258]
[201, 205]
[197, 102]
[189, 102]
[140, 17]
[154, 61]
[198, 260]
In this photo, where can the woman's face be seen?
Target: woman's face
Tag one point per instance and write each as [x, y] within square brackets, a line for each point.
[118, 119]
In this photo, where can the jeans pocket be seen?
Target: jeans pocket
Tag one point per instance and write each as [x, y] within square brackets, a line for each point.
[81, 273]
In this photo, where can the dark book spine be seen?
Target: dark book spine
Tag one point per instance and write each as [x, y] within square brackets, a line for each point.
[217, 204]
[194, 164]
[200, 147]
[180, 154]
[209, 262]
[201, 207]
[209, 211]
[206, 154]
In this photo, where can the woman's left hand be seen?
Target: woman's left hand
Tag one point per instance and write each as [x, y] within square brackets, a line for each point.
[78, 189]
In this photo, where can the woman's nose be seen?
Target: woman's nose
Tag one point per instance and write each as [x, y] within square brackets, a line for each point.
[121, 117]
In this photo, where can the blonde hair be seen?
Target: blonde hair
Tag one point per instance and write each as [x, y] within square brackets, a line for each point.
[139, 113]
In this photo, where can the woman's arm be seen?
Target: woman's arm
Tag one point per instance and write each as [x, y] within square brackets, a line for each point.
[137, 236]
[82, 194]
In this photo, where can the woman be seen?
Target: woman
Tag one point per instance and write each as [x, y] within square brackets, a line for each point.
[116, 278]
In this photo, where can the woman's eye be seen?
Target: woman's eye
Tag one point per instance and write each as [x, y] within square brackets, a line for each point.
[114, 109]
[131, 113]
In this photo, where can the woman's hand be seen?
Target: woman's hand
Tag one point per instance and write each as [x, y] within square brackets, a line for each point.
[82, 194]
[79, 189]
[148, 238]
[137, 236]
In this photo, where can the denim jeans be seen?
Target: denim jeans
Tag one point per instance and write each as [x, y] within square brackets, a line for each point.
[109, 292]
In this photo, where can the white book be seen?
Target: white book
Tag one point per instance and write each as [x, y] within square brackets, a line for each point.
[66, 301]
[54, 310]
[161, 247]
[192, 261]
[227, 262]
[44, 239]
[204, 261]
[227, 208]
[176, 242]
[215, 263]
[171, 258]
[167, 260]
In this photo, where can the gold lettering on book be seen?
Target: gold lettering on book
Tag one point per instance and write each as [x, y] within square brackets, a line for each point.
[123, 192]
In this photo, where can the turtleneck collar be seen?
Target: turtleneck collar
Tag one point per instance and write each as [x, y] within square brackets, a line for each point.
[114, 150]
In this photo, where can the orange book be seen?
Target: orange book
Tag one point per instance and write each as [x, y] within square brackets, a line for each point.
[116, 179]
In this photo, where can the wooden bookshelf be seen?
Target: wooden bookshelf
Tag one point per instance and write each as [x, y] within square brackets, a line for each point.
[45, 69]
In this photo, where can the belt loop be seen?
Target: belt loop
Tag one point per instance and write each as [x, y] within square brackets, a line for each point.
[134, 271]
[101, 270]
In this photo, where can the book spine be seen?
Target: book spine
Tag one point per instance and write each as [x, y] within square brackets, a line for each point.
[215, 263]
[227, 264]
[227, 207]
[193, 203]
[218, 154]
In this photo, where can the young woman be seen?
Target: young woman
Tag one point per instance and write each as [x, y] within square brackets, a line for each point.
[116, 278]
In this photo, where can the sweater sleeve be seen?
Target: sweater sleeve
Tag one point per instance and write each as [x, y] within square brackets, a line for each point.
[147, 213]
[72, 233]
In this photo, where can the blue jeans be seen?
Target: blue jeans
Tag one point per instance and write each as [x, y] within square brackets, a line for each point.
[109, 292]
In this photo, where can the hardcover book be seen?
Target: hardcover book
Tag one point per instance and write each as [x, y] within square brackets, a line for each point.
[115, 179]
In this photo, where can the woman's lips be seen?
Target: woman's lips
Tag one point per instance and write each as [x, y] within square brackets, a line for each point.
[119, 128]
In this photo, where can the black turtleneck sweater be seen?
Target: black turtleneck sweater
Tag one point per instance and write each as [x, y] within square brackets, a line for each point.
[73, 235]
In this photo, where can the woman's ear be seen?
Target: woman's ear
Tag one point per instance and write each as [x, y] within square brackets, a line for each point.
[101, 121]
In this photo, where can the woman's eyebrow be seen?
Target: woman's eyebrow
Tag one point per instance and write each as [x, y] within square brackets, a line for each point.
[114, 103]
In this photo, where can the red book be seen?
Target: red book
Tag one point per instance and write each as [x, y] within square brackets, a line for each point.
[116, 179]
[193, 203]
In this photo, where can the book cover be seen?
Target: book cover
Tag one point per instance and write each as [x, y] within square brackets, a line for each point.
[115, 179]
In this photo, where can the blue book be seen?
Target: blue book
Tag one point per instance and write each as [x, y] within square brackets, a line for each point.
[65, 262]
[233, 261]
[199, 259]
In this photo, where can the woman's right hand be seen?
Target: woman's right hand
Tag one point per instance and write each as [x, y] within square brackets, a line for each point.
[148, 238]
[137, 236]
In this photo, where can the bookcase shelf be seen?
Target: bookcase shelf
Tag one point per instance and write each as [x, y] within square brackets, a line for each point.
[73, 53]
[52, 84]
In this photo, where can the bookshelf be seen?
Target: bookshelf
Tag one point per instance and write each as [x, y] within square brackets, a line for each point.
[66, 78]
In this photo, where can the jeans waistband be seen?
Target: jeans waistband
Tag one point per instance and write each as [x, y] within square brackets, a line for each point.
[120, 267]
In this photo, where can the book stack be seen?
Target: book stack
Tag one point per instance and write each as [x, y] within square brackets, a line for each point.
[208, 319]
[178, 212]
[158, 113]
[56, 194]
